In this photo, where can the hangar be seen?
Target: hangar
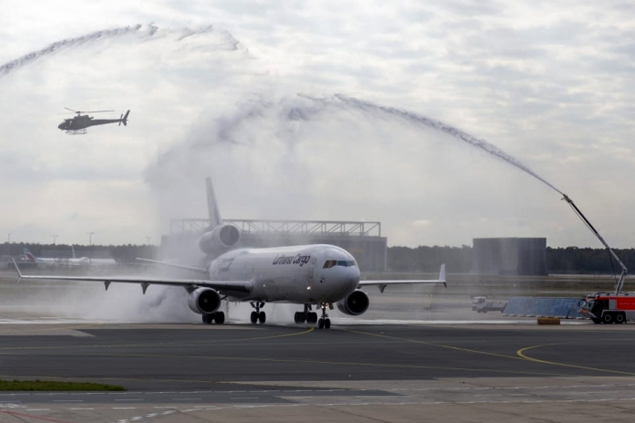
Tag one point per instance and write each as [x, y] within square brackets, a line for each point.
[362, 239]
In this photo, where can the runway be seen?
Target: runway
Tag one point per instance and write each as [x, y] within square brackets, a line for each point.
[188, 372]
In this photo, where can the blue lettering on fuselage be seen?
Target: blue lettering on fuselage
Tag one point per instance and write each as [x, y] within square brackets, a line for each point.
[298, 259]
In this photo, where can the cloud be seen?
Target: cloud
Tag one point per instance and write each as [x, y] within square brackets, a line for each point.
[547, 83]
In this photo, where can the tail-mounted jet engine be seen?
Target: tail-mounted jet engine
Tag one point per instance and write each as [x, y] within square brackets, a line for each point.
[219, 239]
[355, 304]
[204, 301]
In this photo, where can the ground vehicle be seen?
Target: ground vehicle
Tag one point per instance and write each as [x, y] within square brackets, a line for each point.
[482, 305]
[604, 307]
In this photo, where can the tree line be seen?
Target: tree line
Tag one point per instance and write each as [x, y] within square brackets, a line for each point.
[399, 259]
[459, 259]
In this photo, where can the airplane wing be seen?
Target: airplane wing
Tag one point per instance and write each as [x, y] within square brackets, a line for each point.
[382, 284]
[188, 284]
[177, 266]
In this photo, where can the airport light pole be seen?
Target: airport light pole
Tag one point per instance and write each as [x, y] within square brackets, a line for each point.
[54, 238]
[90, 238]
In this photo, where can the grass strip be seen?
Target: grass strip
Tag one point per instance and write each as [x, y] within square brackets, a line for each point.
[48, 385]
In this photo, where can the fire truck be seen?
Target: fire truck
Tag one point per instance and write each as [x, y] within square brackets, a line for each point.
[605, 307]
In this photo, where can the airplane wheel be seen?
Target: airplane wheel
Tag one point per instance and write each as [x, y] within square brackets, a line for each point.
[321, 324]
[312, 318]
[207, 319]
[296, 317]
[327, 323]
[219, 318]
[262, 317]
[254, 317]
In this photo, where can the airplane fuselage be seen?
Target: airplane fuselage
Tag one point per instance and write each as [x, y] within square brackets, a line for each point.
[306, 274]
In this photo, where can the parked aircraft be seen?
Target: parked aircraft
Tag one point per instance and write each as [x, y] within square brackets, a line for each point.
[318, 276]
[73, 261]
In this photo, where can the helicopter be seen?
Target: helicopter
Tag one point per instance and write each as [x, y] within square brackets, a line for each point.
[79, 123]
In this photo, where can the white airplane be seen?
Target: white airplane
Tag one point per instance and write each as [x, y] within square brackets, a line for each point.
[308, 275]
[73, 261]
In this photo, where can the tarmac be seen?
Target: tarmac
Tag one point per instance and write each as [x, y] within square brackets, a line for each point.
[412, 357]
[352, 372]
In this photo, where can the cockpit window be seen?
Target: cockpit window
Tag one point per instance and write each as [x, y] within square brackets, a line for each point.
[344, 263]
[329, 263]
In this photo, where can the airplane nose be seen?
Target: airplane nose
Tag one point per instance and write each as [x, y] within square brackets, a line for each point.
[60, 126]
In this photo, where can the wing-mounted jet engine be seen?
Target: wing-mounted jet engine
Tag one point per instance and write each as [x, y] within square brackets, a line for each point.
[354, 304]
[221, 237]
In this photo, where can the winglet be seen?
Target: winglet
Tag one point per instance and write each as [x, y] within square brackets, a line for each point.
[17, 268]
[442, 275]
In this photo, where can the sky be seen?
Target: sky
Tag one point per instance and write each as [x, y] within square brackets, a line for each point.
[318, 110]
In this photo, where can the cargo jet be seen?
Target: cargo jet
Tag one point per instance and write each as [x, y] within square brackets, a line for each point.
[308, 275]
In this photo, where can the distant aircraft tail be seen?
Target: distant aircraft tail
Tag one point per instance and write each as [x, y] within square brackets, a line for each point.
[124, 119]
[30, 257]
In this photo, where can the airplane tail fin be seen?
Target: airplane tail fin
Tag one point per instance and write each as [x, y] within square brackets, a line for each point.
[30, 257]
[124, 119]
[212, 207]
[73, 250]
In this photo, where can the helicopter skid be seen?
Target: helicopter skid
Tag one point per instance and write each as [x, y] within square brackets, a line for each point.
[76, 132]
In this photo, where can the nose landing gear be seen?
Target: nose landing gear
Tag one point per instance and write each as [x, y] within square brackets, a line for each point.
[324, 322]
[258, 316]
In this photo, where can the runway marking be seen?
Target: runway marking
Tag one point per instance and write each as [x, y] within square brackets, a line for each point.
[432, 344]
[521, 354]
[18, 415]
[331, 363]
[162, 344]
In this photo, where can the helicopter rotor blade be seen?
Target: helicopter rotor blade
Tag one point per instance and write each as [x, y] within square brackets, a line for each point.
[97, 111]
[74, 111]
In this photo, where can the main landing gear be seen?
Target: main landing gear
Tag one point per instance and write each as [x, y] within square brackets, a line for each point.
[218, 318]
[307, 316]
[311, 317]
[258, 316]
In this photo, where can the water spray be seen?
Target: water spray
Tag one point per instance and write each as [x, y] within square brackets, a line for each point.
[150, 31]
[492, 150]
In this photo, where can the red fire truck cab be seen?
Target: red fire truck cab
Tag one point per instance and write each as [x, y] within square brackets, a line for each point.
[604, 307]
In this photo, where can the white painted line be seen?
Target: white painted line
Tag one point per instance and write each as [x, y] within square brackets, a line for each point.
[124, 408]
[79, 408]
[38, 409]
